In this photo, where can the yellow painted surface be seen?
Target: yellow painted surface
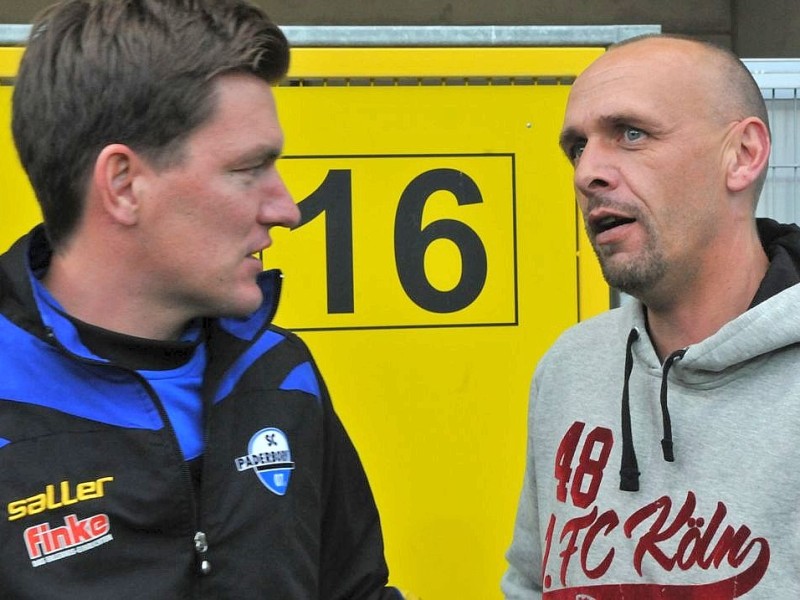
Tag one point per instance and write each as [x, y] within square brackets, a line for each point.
[446, 216]
[428, 62]
[18, 208]
[9, 61]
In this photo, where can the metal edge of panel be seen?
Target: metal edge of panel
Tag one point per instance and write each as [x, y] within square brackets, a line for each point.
[14, 35]
[774, 73]
[772, 65]
[456, 35]
[452, 35]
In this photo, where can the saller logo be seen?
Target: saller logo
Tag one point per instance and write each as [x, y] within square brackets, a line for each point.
[271, 459]
[56, 497]
[46, 544]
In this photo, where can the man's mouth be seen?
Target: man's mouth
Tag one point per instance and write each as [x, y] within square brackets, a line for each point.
[609, 222]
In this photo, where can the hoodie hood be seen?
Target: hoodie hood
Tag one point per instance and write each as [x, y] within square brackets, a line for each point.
[769, 325]
[771, 322]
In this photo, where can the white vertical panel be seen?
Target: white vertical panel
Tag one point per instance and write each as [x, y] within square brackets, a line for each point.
[779, 81]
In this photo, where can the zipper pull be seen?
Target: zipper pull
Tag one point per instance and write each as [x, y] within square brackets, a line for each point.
[201, 547]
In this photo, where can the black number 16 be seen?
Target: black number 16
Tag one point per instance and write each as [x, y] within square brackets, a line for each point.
[334, 197]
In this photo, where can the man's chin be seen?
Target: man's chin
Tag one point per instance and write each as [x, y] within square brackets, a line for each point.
[632, 279]
[242, 307]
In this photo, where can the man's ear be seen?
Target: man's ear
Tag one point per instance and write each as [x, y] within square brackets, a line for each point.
[750, 146]
[115, 170]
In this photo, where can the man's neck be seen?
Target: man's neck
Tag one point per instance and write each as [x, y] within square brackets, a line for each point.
[694, 314]
[84, 290]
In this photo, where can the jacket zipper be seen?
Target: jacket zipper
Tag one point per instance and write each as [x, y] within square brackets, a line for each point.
[199, 539]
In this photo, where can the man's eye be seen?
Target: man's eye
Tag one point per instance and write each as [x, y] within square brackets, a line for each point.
[576, 150]
[632, 134]
[252, 169]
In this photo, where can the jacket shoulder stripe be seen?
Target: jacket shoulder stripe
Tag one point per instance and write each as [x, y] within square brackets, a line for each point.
[302, 378]
[266, 342]
[35, 373]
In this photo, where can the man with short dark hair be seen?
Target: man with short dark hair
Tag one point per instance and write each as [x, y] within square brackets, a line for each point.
[159, 437]
[662, 434]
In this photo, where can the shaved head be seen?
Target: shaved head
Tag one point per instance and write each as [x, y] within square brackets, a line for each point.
[669, 144]
[730, 89]
[729, 81]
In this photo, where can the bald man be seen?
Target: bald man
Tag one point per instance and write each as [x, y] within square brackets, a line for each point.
[662, 444]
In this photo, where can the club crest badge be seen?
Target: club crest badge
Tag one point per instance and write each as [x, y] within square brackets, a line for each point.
[270, 457]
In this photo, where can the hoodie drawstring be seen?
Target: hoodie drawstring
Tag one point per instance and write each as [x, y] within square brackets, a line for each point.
[666, 442]
[629, 468]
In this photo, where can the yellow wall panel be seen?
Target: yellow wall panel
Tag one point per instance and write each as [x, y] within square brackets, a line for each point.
[18, 208]
[440, 255]
[437, 62]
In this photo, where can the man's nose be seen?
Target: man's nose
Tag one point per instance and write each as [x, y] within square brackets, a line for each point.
[596, 168]
[280, 208]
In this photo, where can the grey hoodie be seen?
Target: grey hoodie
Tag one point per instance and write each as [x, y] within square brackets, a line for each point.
[722, 518]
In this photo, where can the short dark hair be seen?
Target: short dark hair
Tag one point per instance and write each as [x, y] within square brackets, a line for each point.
[135, 72]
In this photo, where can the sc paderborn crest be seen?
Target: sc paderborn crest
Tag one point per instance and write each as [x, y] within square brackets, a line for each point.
[270, 457]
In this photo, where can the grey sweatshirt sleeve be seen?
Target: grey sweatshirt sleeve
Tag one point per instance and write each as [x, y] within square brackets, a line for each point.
[523, 579]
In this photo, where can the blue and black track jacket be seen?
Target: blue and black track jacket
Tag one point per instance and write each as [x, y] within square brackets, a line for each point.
[98, 498]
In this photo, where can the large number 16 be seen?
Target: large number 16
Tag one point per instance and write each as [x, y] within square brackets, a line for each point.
[334, 197]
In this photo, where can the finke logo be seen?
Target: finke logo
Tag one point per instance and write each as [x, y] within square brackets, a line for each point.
[271, 459]
[46, 544]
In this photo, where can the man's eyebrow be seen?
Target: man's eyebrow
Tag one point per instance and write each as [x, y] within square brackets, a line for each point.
[571, 135]
[568, 137]
[262, 153]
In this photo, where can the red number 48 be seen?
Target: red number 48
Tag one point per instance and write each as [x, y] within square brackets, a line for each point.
[584, 480]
